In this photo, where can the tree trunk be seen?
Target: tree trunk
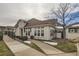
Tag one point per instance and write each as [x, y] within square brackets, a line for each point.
[55, 34]
[64, 33]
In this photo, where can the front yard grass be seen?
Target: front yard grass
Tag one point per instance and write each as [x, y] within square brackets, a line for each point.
[66, 47]
[4, 51]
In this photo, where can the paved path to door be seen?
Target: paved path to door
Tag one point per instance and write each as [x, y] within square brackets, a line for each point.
[20, 49]
[47, 48]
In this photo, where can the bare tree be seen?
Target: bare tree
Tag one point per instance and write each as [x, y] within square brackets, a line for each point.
[63, 13]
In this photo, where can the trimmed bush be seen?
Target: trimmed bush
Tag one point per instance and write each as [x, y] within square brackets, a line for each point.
[11, 34]
[22, 37]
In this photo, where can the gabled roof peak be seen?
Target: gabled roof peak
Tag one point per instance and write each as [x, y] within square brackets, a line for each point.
[34, 19]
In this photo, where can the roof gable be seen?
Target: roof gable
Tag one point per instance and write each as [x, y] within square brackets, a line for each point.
[36, 22]
[16, 25]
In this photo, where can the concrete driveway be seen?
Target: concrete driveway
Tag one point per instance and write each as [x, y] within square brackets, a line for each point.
[20, 49]
[49, 50]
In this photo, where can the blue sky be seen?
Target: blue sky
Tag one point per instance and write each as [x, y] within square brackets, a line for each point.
[74, 13]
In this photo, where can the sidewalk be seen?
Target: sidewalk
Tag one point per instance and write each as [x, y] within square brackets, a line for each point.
[65, 54]
[20, 49]
[47, 48]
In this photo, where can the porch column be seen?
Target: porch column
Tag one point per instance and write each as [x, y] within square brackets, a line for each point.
[46, 33]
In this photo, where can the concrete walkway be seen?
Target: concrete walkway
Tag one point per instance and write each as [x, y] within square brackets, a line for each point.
[20, 49]
[65, 54]
[49, 50]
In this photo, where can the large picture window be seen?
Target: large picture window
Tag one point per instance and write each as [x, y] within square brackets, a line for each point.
[39, 32]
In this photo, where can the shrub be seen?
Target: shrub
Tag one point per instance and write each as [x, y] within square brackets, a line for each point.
[11, 34]
[31, 37]
[1, 36]
[22, 37]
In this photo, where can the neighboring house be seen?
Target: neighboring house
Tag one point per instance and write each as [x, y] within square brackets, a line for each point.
[6, 29]
[44, 30]
[72, 31]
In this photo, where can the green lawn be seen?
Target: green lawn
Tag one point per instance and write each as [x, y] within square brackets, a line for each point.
[66, 47]
[4, 51]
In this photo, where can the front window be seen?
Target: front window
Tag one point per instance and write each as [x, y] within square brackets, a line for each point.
[42, 32]
[35, 33]
[73, 30]
[38, 32]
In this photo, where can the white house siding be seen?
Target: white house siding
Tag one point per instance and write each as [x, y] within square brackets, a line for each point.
[21, 24]
[17, 32]
[71, 35]
[18, 29]
[32, 31]
[24, 33]
[53, 34]
[47, 33]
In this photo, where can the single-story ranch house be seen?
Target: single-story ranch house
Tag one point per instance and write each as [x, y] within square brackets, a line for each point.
[6, 29]
[72, 32]
[44, 30]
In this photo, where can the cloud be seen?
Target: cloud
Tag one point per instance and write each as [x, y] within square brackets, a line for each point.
[11, 12]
